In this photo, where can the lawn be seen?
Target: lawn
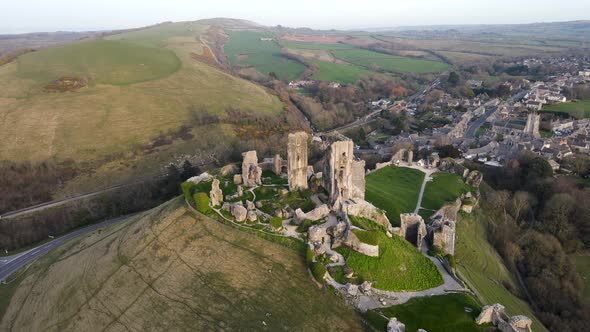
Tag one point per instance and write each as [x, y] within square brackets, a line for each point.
[483, 269]
[389, 62]
[583, 267]
[342, 73]
[246, 49]
[579, 109]
[444, 313]
[395, 190]
[101, 61]
[444, 187]
[399, 266]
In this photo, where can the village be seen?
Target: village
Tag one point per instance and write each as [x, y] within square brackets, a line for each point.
[491, 130]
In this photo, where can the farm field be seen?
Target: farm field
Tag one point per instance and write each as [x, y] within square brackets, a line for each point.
[246, 49]
[389, 62]
[315, 46]
[395, 190]
[443, 313]
[123, 107]
[582, 262]
[399, 266]
[480, 265]
[172, 269]
[444, 187]
[579, 109]
[342, 73]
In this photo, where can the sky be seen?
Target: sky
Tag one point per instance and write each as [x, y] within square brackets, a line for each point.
[78, 15]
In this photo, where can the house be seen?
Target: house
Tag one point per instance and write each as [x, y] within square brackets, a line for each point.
[554, 165]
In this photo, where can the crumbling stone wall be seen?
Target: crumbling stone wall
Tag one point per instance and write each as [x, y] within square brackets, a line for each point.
[358, 179]
[297, 160]
[344, 177]
[413, 229]
[443, 235]
[251, 172]
[216, 195]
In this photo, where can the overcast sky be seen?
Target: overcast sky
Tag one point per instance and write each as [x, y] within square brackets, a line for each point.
[50, 15]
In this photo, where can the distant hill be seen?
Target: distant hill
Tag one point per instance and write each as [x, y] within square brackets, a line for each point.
[172, 270]
[573, 29]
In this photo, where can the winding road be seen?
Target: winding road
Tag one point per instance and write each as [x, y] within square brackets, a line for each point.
[10, 264]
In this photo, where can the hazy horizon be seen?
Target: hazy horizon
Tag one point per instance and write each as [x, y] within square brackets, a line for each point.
[62, 15]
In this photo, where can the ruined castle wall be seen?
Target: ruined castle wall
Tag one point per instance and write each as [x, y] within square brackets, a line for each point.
[358, 179]
[297, 160]
[338, 173]
[251, 172]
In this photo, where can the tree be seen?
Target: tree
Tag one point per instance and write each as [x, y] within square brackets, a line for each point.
[521, 202]
[454, 79]
[188, 170]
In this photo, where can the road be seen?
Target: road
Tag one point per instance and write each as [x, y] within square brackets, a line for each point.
[474, 126]
[470, 133]
[11, 264]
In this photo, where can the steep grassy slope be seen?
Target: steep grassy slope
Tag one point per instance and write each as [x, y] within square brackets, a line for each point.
[172, 270]
[483, 269]
[111, 115]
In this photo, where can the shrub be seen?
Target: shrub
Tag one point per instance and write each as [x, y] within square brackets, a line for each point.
[435, 251]
[202, 203]
[318, 270]
[276, 222]
[309, 256]
[187, 190]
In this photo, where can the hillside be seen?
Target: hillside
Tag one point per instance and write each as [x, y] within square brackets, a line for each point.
[129, 89]
[170, 269]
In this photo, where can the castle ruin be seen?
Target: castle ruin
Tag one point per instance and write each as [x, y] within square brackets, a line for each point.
[251, 172]
[297, 160]
[344, 176]
[413, 229]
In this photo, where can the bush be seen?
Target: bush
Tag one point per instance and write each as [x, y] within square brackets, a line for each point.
[309, 256]
[187, 190]
[318, 270]
[435, 251]
[276, 222]
[202, 203]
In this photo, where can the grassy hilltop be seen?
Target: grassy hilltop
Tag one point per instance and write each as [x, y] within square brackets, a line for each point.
[172, 270]
[140, 84]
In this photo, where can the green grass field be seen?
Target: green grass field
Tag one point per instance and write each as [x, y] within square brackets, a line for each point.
[102, 61]
[444, 313]
[583, 267]
[315, 46]
[389, 62]
[579, 109]
[399, 266]
[111, 116]
[395, 190]
[444, 187]
[483, 269]
[342, 73]
[246, 49]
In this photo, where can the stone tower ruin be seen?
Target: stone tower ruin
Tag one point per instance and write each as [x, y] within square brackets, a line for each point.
[297, 160]
[344, 176]
[251, 172]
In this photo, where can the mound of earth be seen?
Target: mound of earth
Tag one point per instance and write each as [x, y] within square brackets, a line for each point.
[65, 84]
[172, 270]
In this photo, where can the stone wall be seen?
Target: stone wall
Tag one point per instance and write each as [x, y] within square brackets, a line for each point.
[353, 242]
[443, 235]
[364, 209]
[358, 179]
[297, 160]
[413, 229]
[338, 174]
[251, 172]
